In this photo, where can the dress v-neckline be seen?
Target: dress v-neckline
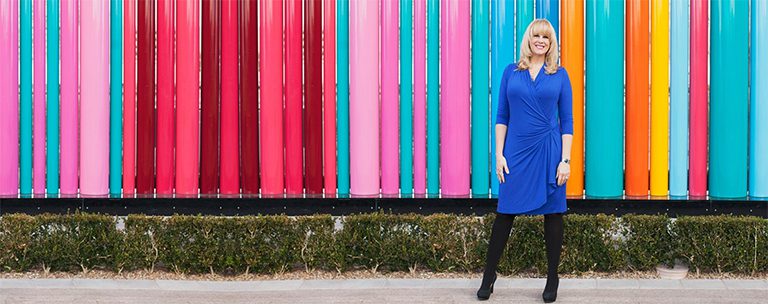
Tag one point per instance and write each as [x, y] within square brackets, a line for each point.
[533, 80]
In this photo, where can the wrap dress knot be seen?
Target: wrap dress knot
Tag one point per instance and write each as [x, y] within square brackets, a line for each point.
[536, 112]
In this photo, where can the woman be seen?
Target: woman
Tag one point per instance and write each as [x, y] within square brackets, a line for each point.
[534, 132]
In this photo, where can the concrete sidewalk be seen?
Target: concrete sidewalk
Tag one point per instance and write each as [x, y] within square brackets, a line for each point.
[379, 291]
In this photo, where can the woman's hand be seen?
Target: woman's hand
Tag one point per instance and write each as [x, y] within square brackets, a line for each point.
[563, 172]
[501, 167]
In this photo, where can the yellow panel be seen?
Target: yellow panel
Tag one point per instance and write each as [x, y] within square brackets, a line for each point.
[659, 97]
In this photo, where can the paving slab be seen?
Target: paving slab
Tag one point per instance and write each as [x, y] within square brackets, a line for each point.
[746, 284]
[578, 283]
[703, 284]
[421, 283]
[114, 284]
[343, 284]
[229, 286]
[618, 284]
[181, 285]
[522, 283]
[659, 284]
[36, 283]
[450, 283]
[280, 285]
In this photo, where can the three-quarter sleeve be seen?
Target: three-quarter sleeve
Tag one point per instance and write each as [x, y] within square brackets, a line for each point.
[502, 112]
[565, 105]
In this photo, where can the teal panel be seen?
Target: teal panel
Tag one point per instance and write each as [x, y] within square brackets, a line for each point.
[406, 97]
[116, 98]
[480, 98]
[523, 17]
[52, 105]
[728, 101]
[433, 98]
[758, 141]
[604, 99]
[25, 127]
[678, 101]
[342, 100]
[502, 41]
[550, 10]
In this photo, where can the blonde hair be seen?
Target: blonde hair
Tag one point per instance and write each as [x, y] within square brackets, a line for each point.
[544, 28]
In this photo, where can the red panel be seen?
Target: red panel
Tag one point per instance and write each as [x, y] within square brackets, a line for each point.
[294, 170]
[249, 97]
[313, 118]
[699, 96]
[329, 97]
[271, 113]
[229, 179]
[165, 124]
[145, 118]
[209, 157]
[188, 98]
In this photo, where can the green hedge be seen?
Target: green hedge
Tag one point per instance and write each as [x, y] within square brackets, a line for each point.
[648, 241]
[723, 243]
[375, 242]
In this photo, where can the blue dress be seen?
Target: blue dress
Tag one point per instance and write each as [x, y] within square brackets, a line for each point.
[537, 113]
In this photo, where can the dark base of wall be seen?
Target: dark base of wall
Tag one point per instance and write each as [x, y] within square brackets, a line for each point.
[344, 206]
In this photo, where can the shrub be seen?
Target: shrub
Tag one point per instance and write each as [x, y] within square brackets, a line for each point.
[722, 243]
[375, 242]
[647, 241]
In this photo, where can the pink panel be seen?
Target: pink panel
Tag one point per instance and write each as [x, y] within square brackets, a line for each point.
[129, 98]
[329, 97]
[363, 98]
[389, 99]
[9, 98]
[38, 146]
[94, 106]
[419, 98]
[454, 98]
[69, 67]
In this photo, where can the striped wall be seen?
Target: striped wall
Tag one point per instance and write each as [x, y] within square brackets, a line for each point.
[369, 98]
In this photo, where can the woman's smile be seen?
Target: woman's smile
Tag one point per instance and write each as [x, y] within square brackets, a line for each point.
[539, 44]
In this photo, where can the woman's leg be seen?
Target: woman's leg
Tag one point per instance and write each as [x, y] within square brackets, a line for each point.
[553, 235]
[499, 236]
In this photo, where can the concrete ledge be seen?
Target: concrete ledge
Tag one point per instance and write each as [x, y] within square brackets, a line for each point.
[115, 284]
[618, 284]
[746, 284]
[703, 284]
[361, 284]
[660, 284]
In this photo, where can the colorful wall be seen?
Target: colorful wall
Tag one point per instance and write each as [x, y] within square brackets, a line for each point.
[371, 97]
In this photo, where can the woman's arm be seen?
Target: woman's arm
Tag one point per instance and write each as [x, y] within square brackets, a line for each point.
[501, 161]
[567, 142]
[501, 134]
[565, 112]
[502, 120]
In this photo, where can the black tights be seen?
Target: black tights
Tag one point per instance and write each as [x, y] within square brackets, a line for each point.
[502, 226]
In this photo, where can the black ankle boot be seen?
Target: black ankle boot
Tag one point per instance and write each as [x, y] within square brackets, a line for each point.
[484, 294]
[550, 291]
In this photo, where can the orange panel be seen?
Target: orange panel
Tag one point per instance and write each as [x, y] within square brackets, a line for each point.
[572, 51]
[637, 100]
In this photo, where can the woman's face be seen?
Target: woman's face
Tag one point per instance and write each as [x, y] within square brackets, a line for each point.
[539, 44]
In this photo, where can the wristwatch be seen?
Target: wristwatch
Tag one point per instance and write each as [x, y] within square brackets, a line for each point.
[567, 161]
